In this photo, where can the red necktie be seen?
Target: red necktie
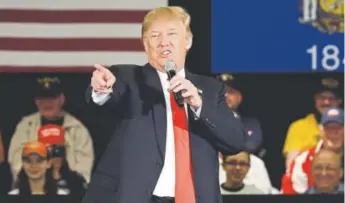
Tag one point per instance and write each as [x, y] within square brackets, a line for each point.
[184, 185]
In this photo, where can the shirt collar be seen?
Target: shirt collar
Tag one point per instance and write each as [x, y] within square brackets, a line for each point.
[163, 76]
[339, 189]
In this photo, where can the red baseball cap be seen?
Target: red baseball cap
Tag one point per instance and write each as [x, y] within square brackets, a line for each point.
[51, 135]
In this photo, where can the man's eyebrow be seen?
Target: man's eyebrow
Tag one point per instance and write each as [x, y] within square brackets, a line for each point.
[154, 32]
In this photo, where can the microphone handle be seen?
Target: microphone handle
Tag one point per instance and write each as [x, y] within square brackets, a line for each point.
[177, 95]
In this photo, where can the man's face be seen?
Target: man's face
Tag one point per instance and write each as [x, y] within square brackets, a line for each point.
[50, 107]
[233, 98]
[166, 39]
[236, 167]
[326, 171]
[333, 135]
[325, 100]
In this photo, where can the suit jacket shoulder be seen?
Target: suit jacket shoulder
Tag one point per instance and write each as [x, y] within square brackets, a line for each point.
[124, 69]
[131, 74]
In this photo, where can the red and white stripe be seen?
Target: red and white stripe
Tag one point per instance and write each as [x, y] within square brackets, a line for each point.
[69, 36]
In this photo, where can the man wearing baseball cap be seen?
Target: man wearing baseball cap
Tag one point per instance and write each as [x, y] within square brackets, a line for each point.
[298, 177]
[49, 99]
[257, 174]
[304, 133]
[234, 97]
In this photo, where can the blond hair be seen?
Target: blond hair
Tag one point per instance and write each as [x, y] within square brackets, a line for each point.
[174, 12]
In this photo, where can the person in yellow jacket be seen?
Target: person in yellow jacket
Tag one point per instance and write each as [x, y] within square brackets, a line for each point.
[49, 99]
[304, 133]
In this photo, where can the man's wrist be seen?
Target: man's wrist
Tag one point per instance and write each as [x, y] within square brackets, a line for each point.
[106, 91]
[197, 105]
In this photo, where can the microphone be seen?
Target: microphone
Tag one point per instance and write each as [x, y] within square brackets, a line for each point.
[170, 69]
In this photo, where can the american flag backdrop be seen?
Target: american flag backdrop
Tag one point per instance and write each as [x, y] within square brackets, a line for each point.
[71, 35]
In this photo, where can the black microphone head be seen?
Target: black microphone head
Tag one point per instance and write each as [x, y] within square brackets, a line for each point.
[169, 66]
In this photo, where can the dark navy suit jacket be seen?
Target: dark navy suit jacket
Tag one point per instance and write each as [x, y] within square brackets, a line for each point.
[253, 131]
[130, 167]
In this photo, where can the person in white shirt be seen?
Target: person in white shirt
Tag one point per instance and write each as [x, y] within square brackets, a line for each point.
[236, 168]
[257, 175]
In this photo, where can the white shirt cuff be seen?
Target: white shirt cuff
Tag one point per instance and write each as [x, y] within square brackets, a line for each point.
[196, 112]
[99, 97]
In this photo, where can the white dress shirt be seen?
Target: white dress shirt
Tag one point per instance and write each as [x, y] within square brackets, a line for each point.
[165, 186]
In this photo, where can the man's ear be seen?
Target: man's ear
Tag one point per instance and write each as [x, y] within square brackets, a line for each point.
[189, 42]
[145, 43]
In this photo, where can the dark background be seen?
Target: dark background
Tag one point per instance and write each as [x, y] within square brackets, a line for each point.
[275, 99]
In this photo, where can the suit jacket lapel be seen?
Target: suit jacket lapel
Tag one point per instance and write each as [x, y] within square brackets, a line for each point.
[156, 100]
[192, 77]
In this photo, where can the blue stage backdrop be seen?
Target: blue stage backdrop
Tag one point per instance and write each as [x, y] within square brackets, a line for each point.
[277, 35]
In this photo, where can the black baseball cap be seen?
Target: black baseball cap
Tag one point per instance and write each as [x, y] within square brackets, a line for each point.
[328, 85]
[48, 87]
[230, 81]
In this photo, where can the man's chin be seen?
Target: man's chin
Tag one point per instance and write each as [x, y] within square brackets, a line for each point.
[237, 180]
[49, 114]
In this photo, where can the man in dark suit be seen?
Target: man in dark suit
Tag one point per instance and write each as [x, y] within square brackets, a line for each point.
[161, 152]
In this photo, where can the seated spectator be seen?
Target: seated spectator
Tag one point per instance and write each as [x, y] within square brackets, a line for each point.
[52, 136]
[49, 100]
[252, 126]
[327, 173]
[236, 168]
[298, 178]
[35, 177]
[257, 175]
[5, 172]
[304, 133]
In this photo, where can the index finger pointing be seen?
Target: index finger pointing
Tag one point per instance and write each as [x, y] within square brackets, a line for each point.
[100, 67]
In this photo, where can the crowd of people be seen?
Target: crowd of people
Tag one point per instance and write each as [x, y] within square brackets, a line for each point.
[52, 152]
[313, 149]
